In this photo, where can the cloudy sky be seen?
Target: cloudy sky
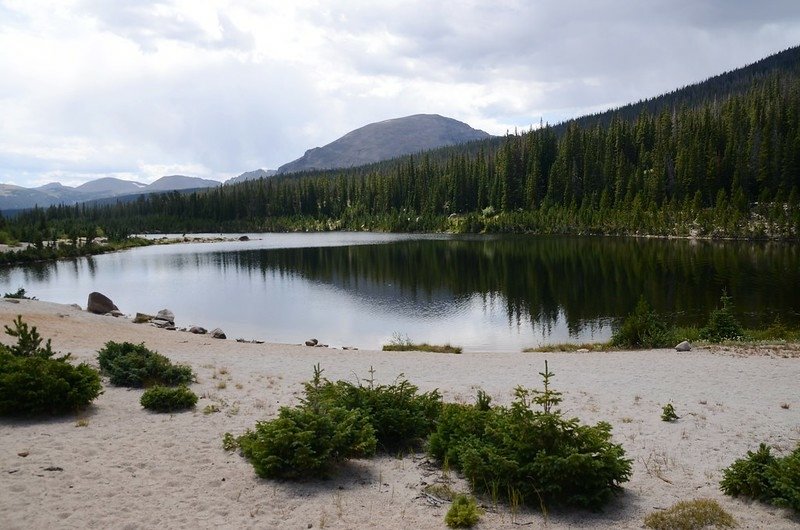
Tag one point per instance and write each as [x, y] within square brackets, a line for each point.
[138, 89]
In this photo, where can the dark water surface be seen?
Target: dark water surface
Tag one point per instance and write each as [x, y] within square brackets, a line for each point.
[483, 293]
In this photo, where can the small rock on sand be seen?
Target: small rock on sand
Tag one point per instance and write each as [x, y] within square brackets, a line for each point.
[684, 346]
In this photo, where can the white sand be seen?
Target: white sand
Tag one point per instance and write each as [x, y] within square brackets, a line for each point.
[129, 468]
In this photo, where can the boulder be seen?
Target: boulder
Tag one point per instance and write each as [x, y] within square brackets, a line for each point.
[198, 330]
[141, 318]
[100, 304]
[166, 314]
[217, 333]
[312, 342]
[684, 346]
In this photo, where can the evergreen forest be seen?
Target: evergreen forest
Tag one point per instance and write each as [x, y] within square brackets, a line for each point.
[719, 159]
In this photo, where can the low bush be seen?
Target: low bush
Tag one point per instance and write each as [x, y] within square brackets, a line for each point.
[690, 515]
[668, 413]
[168, 399]
[534, 456]
[32, 382]
[463, 513]
[134, 365]
[307, 440]
[402, 418]
[722, 324]
[643, 328]
[764, 477]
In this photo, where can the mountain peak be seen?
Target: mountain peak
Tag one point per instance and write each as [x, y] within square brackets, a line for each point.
[384, 140]
[181, 182]
[251, 175]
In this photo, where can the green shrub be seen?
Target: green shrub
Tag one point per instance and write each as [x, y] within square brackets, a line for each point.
[229, 442]
[29, 342]
[762, 476]
[668, 413]
[133, 365]
[690, 515]
[748, 476]
[401, 417]
[33, 385]
[309, 439]
[534, 456]
[463, 513]
[32, 382]
[168, 399]
[642, 329]
[722, 325]
[785, 479]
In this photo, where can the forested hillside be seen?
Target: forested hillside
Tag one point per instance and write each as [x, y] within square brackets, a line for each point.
[719, 159]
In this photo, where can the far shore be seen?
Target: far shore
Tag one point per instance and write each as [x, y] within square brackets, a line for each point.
[116, 465]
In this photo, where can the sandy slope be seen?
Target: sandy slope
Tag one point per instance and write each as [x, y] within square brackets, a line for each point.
[128, 468]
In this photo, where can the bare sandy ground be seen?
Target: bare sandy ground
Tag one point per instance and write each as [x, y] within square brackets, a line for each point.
[119, 466]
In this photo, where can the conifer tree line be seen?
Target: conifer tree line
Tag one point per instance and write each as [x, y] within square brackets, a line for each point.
[724, 165]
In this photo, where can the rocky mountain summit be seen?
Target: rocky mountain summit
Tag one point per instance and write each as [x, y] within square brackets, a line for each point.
[385, 140]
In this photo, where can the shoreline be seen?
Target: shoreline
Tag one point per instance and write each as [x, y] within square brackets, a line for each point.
[125, 467]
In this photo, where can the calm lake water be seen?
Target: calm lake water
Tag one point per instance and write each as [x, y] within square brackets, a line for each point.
[484, 293]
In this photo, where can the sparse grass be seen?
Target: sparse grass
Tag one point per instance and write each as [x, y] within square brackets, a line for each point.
[82, 422]
[690, 515]
[627, 419]
[211, 409]
[433, 348]
[440, 491]
[569, 347]
[222, 385]
[656, 464]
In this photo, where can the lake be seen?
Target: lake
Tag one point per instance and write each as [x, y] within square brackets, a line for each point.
[485, 293]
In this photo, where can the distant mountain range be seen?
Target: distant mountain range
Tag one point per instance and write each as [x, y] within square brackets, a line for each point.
[372, 143]
[18, 198]
[385, 140]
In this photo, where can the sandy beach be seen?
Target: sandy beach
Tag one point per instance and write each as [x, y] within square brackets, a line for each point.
[116, 465]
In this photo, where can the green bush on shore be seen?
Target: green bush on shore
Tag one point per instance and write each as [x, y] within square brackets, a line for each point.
[643, 328]
[528, 455]
[307, 440]
[764, 477]
[134, 365]
[33, 382]
[168, 399]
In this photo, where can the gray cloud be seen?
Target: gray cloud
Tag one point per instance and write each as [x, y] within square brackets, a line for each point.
[255, 85]
[147, 22]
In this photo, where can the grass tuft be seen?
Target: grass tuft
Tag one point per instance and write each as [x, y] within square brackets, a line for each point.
[690, 515]
[433, 348]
